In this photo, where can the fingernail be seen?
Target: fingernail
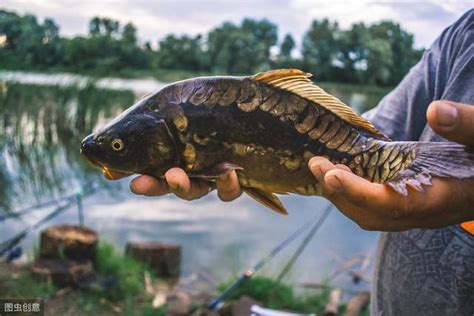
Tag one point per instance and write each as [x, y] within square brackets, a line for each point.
[446, 114]
[312, 162]
[335, 185]
[315, 163]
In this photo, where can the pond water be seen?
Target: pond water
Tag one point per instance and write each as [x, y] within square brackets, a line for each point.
[43, 118]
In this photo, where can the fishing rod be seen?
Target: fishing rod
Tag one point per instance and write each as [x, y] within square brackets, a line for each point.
[29, 209]
[8, 244]
[215, 303]
[305, 242]
[15, 240]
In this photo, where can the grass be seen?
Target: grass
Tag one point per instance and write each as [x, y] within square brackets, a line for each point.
[128, 271]
[19, 283]
[128, 297]
[280, 296]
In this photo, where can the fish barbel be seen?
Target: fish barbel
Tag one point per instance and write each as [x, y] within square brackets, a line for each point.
[266, 127]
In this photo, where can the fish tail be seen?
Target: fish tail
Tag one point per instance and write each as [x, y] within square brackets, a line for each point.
[440, 159]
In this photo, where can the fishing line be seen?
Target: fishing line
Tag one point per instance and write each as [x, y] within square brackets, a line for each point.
[215, 303]
[304, 243]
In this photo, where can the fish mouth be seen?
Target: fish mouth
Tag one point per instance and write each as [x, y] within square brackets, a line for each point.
[108, 173]
[87, 151]
[114, 174]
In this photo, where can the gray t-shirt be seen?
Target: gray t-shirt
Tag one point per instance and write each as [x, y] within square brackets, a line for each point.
[427, 271]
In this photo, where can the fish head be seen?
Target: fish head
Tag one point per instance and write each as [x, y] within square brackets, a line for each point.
[138, 141]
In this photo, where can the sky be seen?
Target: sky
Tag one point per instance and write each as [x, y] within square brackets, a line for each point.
[154, 19]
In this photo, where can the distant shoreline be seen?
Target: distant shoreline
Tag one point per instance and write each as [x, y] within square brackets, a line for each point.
[158, 78]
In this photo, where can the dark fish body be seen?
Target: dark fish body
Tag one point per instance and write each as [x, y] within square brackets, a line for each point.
[270, 134]
[267, 127]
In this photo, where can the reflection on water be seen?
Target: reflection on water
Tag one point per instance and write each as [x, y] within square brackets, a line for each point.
[41, 128]
[40, 131]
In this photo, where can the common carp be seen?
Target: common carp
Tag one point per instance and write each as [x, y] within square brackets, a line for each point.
[266, 127]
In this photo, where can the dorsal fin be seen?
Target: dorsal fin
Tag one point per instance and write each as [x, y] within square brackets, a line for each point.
[298, 82]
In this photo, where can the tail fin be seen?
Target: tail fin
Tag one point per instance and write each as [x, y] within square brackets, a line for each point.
[448, 160]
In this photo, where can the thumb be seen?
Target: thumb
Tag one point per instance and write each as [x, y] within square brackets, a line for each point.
[454, 121]
[346, 188]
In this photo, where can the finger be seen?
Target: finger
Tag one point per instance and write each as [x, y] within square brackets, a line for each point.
[319, 166]
[181, 185]
[454, 121]
[149, 186]
[342, 167]
[366, 203]
[228, 187]
[114, 175]
[349, 190]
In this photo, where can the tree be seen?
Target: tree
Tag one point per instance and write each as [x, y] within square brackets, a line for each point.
[320, 48]
[183, 52]
[103, 27]
[94, 26]
[52, 48]
[287, 46]
[381, 53]
[401, 47]
[241, 49]
[129, 34]
[27, 42]
[379, 62]
[263, 32]
[352, 53]
[10, 27]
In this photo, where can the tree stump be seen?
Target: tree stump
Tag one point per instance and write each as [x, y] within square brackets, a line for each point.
[68, 242]
[62, 272]
[332, 307]
[357, 304]
[164, 259]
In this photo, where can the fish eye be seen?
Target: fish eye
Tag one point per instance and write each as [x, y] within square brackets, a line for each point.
[117, 144]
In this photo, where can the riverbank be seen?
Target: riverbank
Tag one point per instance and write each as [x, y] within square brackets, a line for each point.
[360, 97]
[163, 75]
[136, 291]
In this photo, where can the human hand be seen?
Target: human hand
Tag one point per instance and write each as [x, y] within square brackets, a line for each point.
[177, 181]
[377, 207]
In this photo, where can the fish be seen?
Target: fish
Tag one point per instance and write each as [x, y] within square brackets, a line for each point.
[266, 127]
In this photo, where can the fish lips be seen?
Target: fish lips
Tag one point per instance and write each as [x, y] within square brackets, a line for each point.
[89, 149]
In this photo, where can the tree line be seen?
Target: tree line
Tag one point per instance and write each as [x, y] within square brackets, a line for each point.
[380, 53]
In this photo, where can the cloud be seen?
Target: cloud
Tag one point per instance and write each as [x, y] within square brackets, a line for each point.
[154, 19]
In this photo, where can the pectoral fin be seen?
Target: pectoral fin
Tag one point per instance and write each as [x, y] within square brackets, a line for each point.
[215, 171]
[268, 199]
